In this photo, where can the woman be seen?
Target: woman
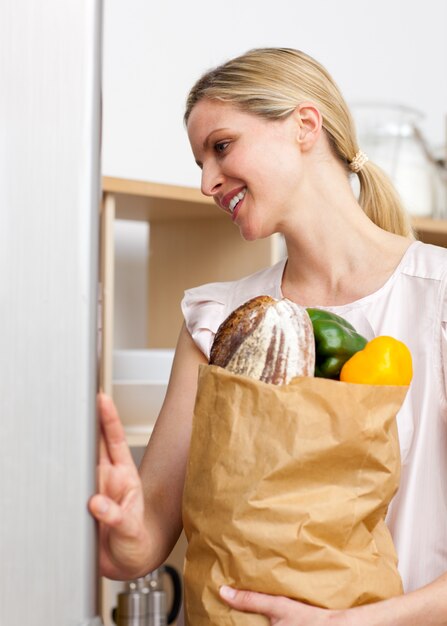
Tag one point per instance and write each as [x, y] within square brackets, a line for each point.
[276, 145]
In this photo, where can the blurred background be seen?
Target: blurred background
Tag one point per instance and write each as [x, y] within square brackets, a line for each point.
[392, 52]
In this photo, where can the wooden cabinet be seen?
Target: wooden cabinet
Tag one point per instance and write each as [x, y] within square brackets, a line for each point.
[191, 242]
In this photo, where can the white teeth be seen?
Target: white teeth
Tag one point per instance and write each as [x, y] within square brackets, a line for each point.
[236, 199]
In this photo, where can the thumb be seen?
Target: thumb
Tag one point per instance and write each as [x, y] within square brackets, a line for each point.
[105, 510]
[253, 602]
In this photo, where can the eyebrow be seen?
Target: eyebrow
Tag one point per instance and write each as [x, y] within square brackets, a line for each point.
[216, 130]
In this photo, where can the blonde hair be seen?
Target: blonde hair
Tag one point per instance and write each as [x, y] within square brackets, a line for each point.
[271, 82]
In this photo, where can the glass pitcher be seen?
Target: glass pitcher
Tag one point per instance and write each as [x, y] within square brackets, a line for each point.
[390, 136]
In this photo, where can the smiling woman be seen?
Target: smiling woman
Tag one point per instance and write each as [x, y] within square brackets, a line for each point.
[240, 155]
[271, 83]
[277, 148]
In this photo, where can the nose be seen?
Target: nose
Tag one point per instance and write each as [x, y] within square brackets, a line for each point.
[212, 179]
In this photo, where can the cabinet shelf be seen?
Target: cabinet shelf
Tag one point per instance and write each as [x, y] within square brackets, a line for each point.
[153, 202]
[190, 243]
[140, 379]
[148, 201]
[158, 191]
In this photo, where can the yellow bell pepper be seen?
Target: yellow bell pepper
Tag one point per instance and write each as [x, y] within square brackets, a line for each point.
[383, 361]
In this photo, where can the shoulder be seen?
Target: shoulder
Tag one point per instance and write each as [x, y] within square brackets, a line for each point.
[205, 307]
[419, 287]
[424, 273]
[426, 261]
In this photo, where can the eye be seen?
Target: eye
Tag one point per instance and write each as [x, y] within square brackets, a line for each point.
[221, 146]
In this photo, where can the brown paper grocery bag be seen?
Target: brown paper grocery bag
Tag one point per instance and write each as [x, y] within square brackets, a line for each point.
[286, 493]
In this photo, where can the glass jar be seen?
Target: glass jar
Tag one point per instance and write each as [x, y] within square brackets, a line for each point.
[390, 136]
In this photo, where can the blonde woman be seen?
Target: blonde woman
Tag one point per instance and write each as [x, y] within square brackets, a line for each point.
[277, 149]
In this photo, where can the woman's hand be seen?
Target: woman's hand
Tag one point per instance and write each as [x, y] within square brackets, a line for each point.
[424, 607]
[140, 510]
[119, 505]
[282, 611]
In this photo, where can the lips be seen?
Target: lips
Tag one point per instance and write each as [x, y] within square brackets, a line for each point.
[232, 199]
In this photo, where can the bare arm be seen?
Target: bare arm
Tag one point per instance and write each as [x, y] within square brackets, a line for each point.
[163, 466]
[140, 516]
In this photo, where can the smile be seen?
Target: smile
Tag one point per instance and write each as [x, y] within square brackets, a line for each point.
[237, 198]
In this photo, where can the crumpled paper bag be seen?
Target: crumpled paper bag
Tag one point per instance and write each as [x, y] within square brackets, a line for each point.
[286, 493]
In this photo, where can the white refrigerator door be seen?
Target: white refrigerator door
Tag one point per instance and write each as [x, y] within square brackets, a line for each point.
[50, 69]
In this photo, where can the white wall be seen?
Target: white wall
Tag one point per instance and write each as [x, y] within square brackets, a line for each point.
[382, 50]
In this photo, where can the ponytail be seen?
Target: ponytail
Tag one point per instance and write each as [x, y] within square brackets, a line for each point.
[381, 202]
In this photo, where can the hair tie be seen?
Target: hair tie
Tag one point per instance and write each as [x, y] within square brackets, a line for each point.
[358, 161]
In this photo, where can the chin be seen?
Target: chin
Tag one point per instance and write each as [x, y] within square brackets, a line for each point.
[252, 233]
[249, 237]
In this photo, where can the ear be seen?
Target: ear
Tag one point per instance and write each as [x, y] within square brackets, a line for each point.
[309, 124]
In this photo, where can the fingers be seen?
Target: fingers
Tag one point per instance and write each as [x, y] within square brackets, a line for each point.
[113, 445]
[103, 454]
[272, 607]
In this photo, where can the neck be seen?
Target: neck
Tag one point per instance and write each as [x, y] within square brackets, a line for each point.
[336, 254]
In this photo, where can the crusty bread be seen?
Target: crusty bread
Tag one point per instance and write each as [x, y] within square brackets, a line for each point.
[267, 339]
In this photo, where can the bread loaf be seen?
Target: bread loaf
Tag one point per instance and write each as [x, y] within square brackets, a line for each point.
[267, 339]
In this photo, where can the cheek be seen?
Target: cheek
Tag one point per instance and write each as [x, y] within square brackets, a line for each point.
[278, 176]
[279, 161]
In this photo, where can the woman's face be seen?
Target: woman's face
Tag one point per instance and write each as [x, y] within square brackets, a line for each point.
[250, 165]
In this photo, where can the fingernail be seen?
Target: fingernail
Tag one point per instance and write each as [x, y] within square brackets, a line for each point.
[227, 592]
